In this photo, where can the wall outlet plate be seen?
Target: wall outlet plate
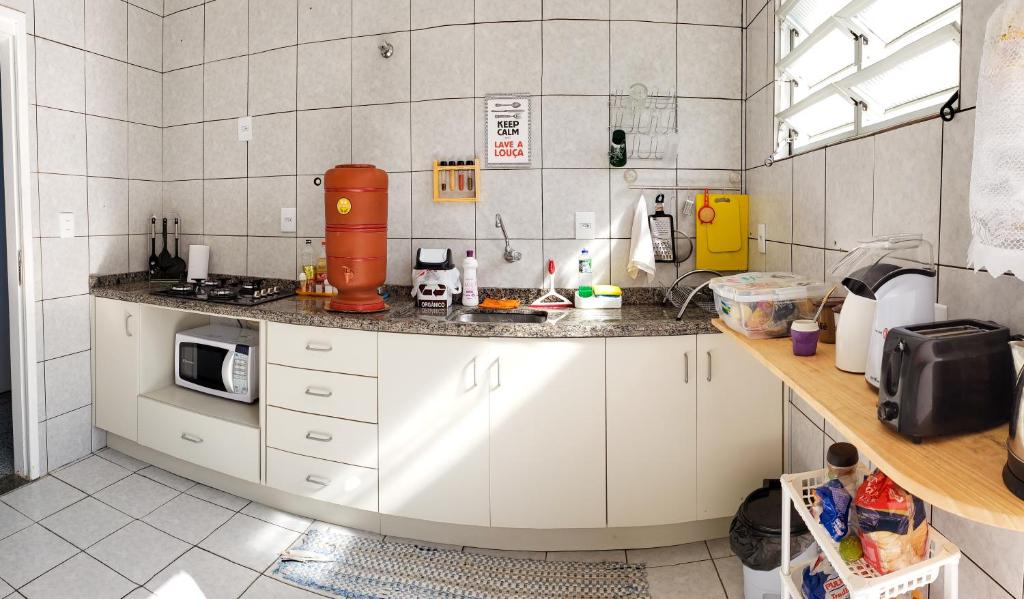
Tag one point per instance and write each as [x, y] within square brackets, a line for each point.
[244, 128]
[762, 238]
[66, 224]
[585, 225]
[287, 220]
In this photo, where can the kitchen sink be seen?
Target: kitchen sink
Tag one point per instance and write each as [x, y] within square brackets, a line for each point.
[537, 317]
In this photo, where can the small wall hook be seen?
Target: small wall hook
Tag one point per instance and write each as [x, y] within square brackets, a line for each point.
[386, 49]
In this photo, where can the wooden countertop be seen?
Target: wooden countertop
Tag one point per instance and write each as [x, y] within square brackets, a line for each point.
[961, 475]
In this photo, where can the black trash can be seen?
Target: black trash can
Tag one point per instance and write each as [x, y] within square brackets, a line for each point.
[755, 534]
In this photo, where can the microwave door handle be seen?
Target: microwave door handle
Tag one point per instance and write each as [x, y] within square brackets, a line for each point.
[225, 372]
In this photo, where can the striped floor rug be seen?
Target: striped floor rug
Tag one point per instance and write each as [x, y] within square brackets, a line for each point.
[365, 568]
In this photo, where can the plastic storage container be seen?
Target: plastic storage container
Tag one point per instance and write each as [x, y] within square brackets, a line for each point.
[763, 304]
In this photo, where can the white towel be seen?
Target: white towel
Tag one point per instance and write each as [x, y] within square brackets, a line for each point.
[641, 246]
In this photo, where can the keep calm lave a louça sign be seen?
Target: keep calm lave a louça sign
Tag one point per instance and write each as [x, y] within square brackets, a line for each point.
[508, 130]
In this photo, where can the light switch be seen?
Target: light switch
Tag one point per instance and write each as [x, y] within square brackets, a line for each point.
[762, 238]
[585, 225]
[244, 128]
[287, 220]
[66, 223]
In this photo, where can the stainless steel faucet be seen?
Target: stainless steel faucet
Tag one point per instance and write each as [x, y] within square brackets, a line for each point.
[511, 255]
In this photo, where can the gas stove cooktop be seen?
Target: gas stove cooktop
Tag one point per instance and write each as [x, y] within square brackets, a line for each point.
[228, 291]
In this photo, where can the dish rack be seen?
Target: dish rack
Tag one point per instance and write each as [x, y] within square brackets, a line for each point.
[862, 580]
[681, 296]
[650, 120]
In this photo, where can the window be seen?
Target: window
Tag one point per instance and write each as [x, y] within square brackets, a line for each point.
[850, 66]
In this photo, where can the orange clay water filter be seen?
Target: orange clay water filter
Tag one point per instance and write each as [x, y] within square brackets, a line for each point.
[356, 219]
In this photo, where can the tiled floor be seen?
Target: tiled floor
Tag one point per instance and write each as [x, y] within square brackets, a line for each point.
[110, 526]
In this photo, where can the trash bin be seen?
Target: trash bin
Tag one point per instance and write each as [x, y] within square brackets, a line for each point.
[755, 536]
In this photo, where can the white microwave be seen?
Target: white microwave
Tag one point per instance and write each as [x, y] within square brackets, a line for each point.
[219, 360]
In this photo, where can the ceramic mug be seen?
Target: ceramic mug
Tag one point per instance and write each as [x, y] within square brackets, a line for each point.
[805, 337]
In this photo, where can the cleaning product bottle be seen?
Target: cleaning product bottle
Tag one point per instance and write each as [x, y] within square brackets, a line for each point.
[586, 275]
[308, 266]
[321, 268]
[470, 293]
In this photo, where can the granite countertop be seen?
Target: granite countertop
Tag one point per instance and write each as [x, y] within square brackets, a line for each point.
[632, 320]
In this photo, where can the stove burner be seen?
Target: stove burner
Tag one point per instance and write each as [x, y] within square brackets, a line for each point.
[227, 291]
[183, 288]
[221, 292]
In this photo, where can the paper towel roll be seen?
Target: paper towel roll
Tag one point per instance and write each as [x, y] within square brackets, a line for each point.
[198, 262]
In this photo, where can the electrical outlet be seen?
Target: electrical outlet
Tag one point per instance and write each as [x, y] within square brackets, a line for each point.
[66, 224]
[287, 220]
[244, 128]
[585, 225]
[762, 238]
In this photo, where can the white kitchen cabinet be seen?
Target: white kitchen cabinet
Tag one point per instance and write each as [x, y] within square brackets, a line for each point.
[739, 425]
[433, 428]
[116, 355]
[547, 430]
[652, 430]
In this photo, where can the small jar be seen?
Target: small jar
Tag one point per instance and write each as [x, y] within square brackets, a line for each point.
[842, 459]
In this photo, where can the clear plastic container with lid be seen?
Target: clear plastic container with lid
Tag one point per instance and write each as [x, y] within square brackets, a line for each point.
[763, 304]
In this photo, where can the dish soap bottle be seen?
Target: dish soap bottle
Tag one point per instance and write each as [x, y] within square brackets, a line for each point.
[470, 293]
[321, 269]
[585, 287]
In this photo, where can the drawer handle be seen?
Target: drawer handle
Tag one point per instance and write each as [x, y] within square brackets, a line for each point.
[313, 346]
[315, 392]
[318, 480]
[191, 438]
[709, 366]
[322, 437]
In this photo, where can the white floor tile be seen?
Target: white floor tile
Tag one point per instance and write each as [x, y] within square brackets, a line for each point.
[221, 498]
[334, 528]
[253, 543]
[138, 551]
[122, 460]
[201, 575]
[719, 547]
[5, 589]
[11, 521]
[188, 518]
[669, 556]
[140, 593]
[730, 570]
[167, 478]
[686, 581]
[615, 555]
[268, 588]
[81, 577]
[91, 474]
[274, 516]
[136, 495]
[42, 497]
[85, 522]
[31, 552]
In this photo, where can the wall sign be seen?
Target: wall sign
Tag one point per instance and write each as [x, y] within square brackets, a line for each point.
[508, 130]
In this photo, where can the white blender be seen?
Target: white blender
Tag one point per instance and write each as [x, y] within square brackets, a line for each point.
[890, 282]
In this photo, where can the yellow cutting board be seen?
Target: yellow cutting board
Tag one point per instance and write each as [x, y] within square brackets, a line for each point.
[722, 244]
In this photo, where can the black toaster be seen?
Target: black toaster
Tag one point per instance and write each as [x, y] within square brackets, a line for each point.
[946, 378]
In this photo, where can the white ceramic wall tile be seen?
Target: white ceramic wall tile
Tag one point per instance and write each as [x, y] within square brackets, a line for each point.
[62, 193]
[425, 13]
[718, 120]
[771, 201]
[144, 200]
[957, 153]
[495, 271]
[184, 200]
[225, 88]
[442, 62]
[516, 195]
[106, 82]
[908, 180]
[372, 16]
[399, 262]
[998, 552]
[108, 255]
[64, 377]
[568, 191]
[272, 257]
[108, 206]
[267, 196]
[145, 39]
[442, 129]
[575, 9]
[173, 6]
[399, 205]
[702, 12]
[272, 149]
[60, 76]
[325, 74]
[576, 132]
[564, 43]
[65, 326]
[324, 139]
[145, 152]
[107, 147]
[645, 53]
[566, 253]
[972, 582]
[145, 100]
[227, 29]
[499, 10]
[68, 437]
[431, 219]
[779, 257]
[321, 20]
[223, 155]
[225, 207]
[497, 70]
[272, 24]
[183, 39]
[61, 141]
[849, 193]
[709, 61]
[760, 127]
[227, 253]
[809, 262]
[183, 96]
[664, 273]
[30, 56]
[272, 78]
[381, 136]
[977, 295]
[758, 60]
[976, 14]
[624, 200]
[807, 442]
[375, 79]
[61, 20]
[183, 152]
[809, 199]
[651, 10]
[106, 28]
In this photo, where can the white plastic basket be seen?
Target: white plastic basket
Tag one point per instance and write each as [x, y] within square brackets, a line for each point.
[862, 580]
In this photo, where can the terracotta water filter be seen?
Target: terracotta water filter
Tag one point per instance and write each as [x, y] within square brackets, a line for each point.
[356, 219]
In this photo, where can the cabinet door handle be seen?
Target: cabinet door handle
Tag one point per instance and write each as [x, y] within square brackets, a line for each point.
[127, 329]
[313, 346]
[322, 437]
[709, 366]
[315, 392]
[686, 368]
[496, 364]
[318, 480]
[191, 438]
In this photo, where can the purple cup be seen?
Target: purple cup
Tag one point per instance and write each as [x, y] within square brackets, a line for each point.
[805, 337]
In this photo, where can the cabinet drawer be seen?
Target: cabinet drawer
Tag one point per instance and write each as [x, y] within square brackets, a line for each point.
[327, 481]
[322, 348]
[322, 437]
[324, 393]
[216, 444]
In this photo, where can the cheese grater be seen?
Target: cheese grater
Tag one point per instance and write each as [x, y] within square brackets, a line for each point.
[663, 232]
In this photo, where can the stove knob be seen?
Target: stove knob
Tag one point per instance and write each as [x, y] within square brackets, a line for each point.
[274, 289]
[888, 410]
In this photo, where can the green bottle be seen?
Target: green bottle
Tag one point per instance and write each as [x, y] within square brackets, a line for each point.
[586, 275]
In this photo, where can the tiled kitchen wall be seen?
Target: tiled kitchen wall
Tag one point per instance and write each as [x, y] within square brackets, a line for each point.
[914, 178]
[94, 90]
[311, 75]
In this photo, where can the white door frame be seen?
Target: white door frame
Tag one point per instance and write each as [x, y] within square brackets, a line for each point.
[21, 285]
